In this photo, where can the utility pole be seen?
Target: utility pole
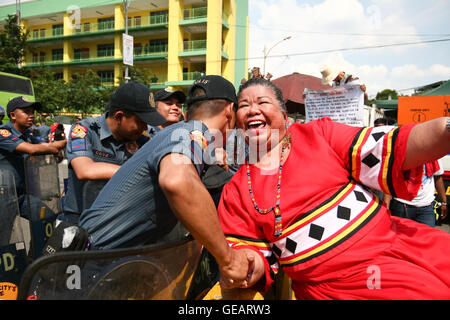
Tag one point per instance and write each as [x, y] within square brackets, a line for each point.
[19, 65]
[125, 4]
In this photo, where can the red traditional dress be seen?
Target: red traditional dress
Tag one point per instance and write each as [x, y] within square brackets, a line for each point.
[338, 240]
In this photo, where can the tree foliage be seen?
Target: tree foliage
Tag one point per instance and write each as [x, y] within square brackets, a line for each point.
[13, 46]
[142, 75]
[49, 91]
[386, 93]
[84, 93]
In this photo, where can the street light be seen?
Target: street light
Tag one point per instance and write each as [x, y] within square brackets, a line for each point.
[266, 53]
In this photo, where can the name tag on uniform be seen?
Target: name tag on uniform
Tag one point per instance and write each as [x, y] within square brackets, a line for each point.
[102, 154]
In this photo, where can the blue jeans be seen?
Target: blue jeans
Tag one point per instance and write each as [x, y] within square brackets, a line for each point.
[423, 215]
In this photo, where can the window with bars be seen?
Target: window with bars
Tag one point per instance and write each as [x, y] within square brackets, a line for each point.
[106, 76]
[161, 16]
[156, 46]
[57, 54]
[134, 21]
[81, 53]
[105, 50]
[105, 23]
[57, 30]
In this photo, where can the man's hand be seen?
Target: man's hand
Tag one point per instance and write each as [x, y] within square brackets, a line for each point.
[443, 211]
[245, 269]
[363, 87]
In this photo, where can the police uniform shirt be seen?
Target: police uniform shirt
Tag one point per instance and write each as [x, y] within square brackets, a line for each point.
[10, 159]
[152, 130]
[131, 210]
[92, 138]
[44, 131]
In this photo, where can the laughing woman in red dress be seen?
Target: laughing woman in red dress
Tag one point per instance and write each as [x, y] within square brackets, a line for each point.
[305, 205]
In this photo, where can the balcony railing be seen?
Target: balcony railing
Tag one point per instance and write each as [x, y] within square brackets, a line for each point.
[86, 56]
[48, 60]
[139, 22]
[87, 28]
[46, 33]
[98, 27]
[195, 13]
[150, 50]
[191, 75]
[194, 45]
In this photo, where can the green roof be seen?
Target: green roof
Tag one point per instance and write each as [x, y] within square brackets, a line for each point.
[442, 90]
[386, 104]
[43, 7]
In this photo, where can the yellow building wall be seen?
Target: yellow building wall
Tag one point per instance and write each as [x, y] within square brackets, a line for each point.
[175, 37]
[214, 37]
[230, 40]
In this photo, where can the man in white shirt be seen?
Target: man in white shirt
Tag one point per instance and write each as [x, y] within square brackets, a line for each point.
[421, 207]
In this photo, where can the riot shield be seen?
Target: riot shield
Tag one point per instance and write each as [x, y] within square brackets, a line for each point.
[12, 238]
[43, 198]
[160, 271]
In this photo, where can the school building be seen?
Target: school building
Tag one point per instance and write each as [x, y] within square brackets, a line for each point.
[175, 40]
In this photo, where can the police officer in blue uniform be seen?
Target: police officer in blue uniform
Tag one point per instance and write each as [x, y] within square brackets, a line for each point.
[2, 114]
[44, 131]
[17, 141]
[168, 104]
[97, 147]
[162, 182]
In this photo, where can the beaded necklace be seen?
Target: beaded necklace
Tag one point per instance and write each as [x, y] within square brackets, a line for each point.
[276, 207]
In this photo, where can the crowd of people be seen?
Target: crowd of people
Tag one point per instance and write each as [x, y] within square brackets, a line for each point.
[305, 202]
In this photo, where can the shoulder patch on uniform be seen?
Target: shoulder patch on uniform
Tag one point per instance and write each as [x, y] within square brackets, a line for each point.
[5, 133]
[132, 147]
[78, 145]
[78, 132]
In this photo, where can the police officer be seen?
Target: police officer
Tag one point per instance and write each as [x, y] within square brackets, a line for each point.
[2, 114]
[168, 104]
[16, 141]
[44, 131]
[97, 147]
[161, 182]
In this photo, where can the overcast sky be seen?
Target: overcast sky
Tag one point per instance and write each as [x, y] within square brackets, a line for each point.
[327, 25]
[320, 29]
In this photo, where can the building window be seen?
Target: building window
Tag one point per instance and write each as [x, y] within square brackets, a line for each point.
[82, 53]
[105, 24]
[57, 54]
[159, 17]
[87, 27]
[106, 76]
[35, 58]
[35, 33]
[41, 56]
[105, 50]
[137, 49]
[58, 30]
[134, 22]
[42, 33]
[157, 45]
